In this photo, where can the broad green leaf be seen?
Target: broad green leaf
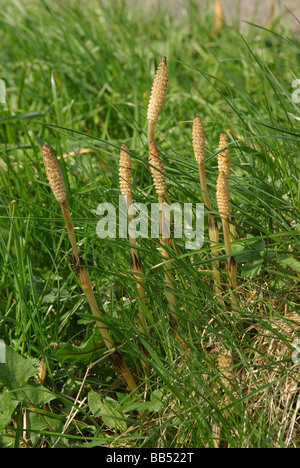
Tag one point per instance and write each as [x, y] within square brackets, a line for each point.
[155, 403]
[287, 260]
[85, 353]
[243, 253]
[132, 403]
[258, 246]
[8, 404]
[14, 374]
[108, 410]
[38, 423]
[34, 395]
[16, 370]
[52, 296]
[252, 269]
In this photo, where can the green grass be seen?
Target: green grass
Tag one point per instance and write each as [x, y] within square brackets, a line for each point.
[80, 77]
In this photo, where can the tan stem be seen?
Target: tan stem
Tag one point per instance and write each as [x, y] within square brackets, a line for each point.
[70, 229]
[232, 228]
[213, 232]
[137, 268]
[165, 255]
[230, 262]
[121, 366]
[203, 184]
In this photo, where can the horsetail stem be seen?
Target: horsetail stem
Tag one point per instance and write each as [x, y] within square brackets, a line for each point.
[159, 180]
[224, 165]
[224, 359]
[125, 181]
[198, 138]
[158, 94]
[224, 207]
[56, 180]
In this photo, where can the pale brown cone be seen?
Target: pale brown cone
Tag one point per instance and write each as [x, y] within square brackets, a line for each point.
[54, 175]
[125, 175]
[224, 155]
[159, 90]
[198, 140]
[157, 170]
[223, 197]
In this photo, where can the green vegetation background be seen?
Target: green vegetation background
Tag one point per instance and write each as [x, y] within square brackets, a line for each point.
[79, 75]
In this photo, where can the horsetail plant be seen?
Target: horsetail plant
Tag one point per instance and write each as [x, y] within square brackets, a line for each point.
[125, 181]
[224, 357]
[157, 98]
[198, 138]
[224, 165]
[159, 180]
[57, 184]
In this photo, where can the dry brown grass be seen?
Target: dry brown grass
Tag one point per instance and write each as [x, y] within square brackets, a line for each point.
[277, 376]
